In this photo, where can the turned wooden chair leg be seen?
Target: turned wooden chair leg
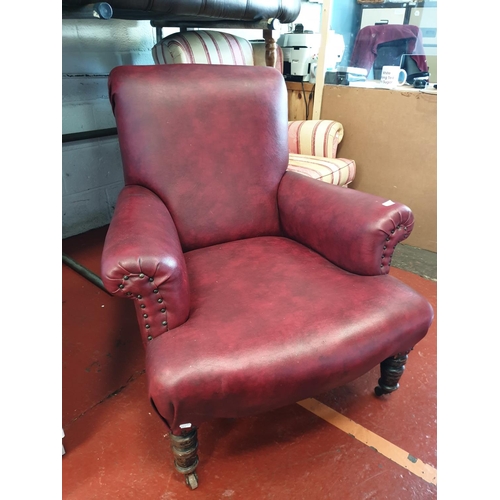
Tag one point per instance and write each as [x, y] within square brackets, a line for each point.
[271, 50]
[185, 448]
[391, 370]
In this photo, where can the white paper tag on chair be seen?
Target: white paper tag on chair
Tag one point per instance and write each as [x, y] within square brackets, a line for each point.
[388, 203]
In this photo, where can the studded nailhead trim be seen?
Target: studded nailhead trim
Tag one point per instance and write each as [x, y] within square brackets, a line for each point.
[146, 316]
[388, 238]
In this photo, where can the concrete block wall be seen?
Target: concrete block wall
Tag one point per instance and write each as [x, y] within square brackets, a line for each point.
[91, 169]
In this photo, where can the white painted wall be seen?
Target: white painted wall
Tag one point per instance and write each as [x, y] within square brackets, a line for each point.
[91, 169]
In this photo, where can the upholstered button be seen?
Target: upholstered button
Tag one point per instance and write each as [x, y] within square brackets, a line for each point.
[142, 306]
[384, 247]
[151, 279]
[392, 231]
[125, 277]
[150, 337]
[155, 291]
[147, 326]
[120, 286]
[128, 293]
[144, 315]
[381, 265]
[139, 296]
[160, 300]
[164, 323]
[141, 275]
[387, 239]
[162, 310]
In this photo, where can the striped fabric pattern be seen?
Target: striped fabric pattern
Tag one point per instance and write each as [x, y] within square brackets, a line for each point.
[337, 171]
[203, 47]
[315, 137]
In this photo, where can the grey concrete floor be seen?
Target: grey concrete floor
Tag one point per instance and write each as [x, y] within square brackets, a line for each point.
[416, 260]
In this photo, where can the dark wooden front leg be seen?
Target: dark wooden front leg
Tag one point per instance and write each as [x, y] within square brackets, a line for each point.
[185, 450]
[270, 48]
[391, 370]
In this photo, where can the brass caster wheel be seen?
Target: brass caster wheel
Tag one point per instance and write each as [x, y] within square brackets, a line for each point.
[192, 480]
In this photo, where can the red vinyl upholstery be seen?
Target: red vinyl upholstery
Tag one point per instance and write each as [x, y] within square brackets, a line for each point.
[254, 286]
[312, 143]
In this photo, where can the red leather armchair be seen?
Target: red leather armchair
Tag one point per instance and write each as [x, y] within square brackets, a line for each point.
[254, 287]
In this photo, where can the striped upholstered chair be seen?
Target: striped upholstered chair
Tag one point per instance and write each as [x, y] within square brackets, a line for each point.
[312, 143]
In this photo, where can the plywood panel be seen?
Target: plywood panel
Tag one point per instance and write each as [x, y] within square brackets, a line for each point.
[300, 100]
[392, 136]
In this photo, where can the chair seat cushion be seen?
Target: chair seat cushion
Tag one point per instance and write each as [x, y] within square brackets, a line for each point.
[271, 323]
[338, 171]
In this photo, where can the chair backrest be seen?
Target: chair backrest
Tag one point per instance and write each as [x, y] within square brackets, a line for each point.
[370, 38]
[389, 54]
[212, 47]
[208, 142]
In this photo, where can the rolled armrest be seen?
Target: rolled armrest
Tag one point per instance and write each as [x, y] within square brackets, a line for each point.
[142, 260]
[356, 231]
[315, 137]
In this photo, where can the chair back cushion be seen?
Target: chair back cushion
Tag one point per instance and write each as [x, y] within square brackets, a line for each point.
[208, 141]
[212, 47]
[203, 47]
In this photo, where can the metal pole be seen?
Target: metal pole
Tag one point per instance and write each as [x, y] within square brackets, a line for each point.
[89, 134]
[83, 271]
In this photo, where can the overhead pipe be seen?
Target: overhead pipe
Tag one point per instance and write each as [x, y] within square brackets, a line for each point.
[100, 10]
